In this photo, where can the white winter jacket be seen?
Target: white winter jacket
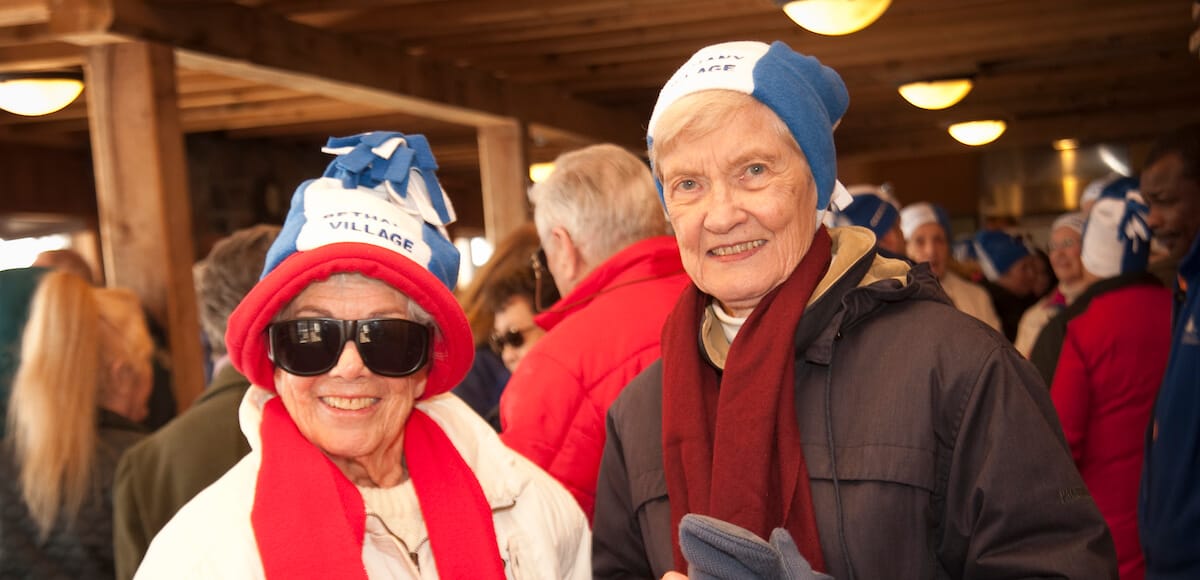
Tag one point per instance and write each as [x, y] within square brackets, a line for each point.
[541, 531]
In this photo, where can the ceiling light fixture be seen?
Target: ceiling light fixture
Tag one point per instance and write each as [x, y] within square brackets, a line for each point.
[935, 95]
[975, 133]
[1065, 144]
[38, 93]
[834, 17]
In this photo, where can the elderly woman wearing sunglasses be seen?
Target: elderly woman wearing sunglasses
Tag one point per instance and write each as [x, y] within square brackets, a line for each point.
[363, 465]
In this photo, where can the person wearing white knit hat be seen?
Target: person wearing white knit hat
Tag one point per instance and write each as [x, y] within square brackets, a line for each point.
[1066, 235]
[926, 229]
[806, 383]
[1110, 362]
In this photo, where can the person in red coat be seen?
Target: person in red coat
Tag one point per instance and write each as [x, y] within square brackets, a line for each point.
[1111, 365]
[619, 275]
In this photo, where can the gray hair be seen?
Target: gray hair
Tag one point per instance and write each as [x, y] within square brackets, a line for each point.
[603, 196]
[415, 312]
[223, 278]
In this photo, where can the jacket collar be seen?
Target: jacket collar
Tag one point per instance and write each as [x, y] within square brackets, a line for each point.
[1189, 267]
[648, 259]
[856, 263]
[109, 420]
[858, 284]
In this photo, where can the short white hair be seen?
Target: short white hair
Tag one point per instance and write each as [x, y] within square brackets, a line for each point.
[603, 196]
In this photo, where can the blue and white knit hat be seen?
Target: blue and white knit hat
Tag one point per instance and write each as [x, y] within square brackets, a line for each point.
[997, 252]
[915, 215]
[1116, 238]
[871, 207]
[809, 97]
[1119, 187]
[1092, 191]
[378, 210]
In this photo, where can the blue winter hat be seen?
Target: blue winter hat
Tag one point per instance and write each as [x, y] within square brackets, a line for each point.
[378, 210]
[964, 251]
[1116, 238]
[871, 207]
[997, 252]
[809, 97]
[915, 215]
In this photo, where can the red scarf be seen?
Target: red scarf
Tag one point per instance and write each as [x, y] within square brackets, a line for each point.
[731, 444]
[309, 519]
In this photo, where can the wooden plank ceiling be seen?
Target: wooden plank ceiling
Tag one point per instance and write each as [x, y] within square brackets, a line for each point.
[1093, 70]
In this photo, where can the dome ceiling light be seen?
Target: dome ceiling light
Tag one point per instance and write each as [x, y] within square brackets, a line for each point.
[936, 95]
[38, 93]
[975, 133]
[834, 17]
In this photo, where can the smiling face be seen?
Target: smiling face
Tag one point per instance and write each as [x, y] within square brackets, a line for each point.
[742, 202]
[353, 415]
[1174, 201]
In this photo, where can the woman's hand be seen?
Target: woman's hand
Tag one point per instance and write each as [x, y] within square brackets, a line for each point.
[674, 576]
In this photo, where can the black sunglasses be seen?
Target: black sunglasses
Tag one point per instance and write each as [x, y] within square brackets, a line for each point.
[513, 337]
[306, 347]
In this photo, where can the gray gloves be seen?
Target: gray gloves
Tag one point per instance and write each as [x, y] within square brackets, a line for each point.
[718, 550]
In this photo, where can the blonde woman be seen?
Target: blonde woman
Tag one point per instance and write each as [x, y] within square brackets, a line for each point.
[83, 382]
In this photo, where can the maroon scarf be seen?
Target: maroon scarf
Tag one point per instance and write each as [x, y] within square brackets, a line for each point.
[731, 445]
[309, 518]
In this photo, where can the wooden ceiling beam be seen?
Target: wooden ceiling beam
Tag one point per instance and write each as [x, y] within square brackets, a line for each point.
[642, 23]
[1099, 126]
[266, 47]
[26, 34]
[488, 15]
[23, 12]
[38, 57]
[386, 121]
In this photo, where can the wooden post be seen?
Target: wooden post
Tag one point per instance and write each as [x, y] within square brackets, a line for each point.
[504, 174]
[142, 196]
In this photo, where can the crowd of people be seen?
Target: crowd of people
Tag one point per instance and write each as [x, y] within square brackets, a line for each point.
[722, 363]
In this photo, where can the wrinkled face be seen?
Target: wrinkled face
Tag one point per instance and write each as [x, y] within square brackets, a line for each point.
[516, 319]
[350, 412]
[1174, 204]
[928, 244]
[1064, 255]
[743, 205]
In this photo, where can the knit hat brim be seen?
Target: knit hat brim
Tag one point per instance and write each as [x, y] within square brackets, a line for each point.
[246, 337]
[808, 96]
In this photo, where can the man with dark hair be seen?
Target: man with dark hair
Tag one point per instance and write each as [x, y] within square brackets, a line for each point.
[162, 472]
[1169, 507]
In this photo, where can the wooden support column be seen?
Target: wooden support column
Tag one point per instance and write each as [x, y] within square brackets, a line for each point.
[142, 196]
[504, 174]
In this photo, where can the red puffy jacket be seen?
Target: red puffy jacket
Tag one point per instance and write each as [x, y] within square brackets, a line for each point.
[599, 336]
[1108, 373]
